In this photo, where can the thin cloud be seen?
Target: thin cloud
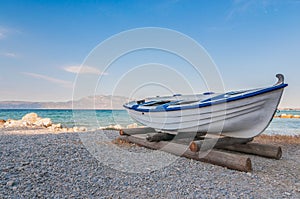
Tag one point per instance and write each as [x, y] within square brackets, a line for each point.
[9, 54]
[3, 32]
[239, 6]
[244, 6]
[83, 70]
[60, 82]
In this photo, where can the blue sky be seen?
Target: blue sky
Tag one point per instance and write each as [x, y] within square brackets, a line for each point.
[42, 43]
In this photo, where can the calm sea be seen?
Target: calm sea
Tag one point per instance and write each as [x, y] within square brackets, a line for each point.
[102, 118]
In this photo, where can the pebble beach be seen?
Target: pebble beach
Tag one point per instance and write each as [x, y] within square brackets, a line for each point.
[165, 99]
[38, 163]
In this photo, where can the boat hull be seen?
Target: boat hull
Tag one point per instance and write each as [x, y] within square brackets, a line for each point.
[243, 118]
[241, 114]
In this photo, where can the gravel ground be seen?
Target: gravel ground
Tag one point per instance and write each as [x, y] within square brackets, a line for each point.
[38, 164]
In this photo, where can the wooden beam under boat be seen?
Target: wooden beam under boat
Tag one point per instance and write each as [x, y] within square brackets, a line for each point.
[136, 131]
[229, 160]
[264, 150]
[155, 136]
[218, 142]
[239, 145]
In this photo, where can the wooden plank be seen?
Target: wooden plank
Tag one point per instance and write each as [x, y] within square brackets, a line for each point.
[210, 143]
[231, 161]
[264, 150]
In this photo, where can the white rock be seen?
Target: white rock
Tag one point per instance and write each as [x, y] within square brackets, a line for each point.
[82, 129]
[130, 126]
[24, 123]
[30, 118]
[117, 126]
[79, 129]
[13, 123]
[57, 126]
[44, 122]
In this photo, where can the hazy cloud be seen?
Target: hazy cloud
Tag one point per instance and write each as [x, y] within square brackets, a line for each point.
[3, 32]
[243, 6]
[8, 54]
[83, 70]
[60, 82]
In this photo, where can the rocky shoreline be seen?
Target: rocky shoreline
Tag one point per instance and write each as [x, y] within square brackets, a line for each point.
[33, 121]
[37, 163]
[287, 116]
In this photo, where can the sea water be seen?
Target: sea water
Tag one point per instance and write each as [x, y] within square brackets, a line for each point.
[93, 119]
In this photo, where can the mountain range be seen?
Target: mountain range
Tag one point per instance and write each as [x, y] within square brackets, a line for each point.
[91, 102]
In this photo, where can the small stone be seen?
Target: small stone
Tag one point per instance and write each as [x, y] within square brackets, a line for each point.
[10, 183]
[287, 193]
[297, 186]
[55, 127]
[25, 163]
[82, 129]
[79, 129]
[70, 130]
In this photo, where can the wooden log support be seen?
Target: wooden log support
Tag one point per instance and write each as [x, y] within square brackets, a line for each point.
[159, 137]
[210, 143]
[231, 161]
[264, 150]
[135, 131]
[180, 137]
[192, 136]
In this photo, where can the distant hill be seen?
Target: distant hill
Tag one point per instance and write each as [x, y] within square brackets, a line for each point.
[91, 102]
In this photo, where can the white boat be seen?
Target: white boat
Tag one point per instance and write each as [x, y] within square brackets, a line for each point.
[241, 114]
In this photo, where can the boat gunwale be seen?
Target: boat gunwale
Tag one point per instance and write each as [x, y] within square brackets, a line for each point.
[211, 103]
